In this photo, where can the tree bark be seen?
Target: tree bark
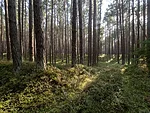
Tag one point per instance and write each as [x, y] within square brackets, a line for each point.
[94, 35]
[1, 37]
[74, 19]
[80, 28]
[148, 35]
[144, 15]
[7, 29]
[123, 38]
[30, 32]
[19, 24]
[39, 34]
[90, 34]
[118, 44]
[129, 39]
[16, 53]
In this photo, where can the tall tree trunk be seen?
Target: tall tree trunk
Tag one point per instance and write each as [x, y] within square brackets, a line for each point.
[94, 35]
[133, 33]
[90, 34]
[30, 32]
[74, 19]
[46, 39]
[19, 24]
[80, 28]
[7, 29]
[129, 50]
[16, 53]
[22, 28]
[68, 34]
[25, 32]
[65, 49]
[54, 39]
[144, 13]
[99, 44]
[148, 35]
[118, 50]
[51, 45]
[39, 34]
[1, 37]
[123, 39]
[138, 27]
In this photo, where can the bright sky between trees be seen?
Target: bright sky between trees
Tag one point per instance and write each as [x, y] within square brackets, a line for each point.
[105, 4]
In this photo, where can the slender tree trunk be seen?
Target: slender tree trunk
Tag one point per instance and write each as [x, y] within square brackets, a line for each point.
[123, 38]
[138, 28]
[16, 53]
[65, 50]
[94, 35]
[54, 39]
[46, 39]
[133, 33]
[74, 19]
[7, 29]
[30, 32]
[39, 34]
[22, 28]
[129, 40]
[118, 50]
[52, 47]
[99, 44]
[109, 40]
[62, 41]
[1, 37]
[90, 34]
[80, 29]
[148, 35]
[25, 32]
[19, 24]
[144, 26]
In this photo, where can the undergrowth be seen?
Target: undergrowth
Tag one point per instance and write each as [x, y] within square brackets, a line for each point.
[106, 88]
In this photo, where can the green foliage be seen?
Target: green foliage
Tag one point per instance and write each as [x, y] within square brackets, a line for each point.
[81, 89]
[136, 90]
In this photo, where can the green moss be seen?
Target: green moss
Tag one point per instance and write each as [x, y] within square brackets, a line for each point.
[100, 89]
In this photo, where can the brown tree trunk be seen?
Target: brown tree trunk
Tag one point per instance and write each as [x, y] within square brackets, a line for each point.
[123, 37]
[118, 44]
[148, 35]
[80, 28]
[129, 37]
[16, 53]
[144, 8]
[94, 35]
[99, 44]
[1, 37]
[30, 32]
[46, 39]
[19, 24]
[22, 28]
[25, 32]
[138, 27]
[90, 34]
[39, 34]
[133, 33]
[7, 29]
[74, 19]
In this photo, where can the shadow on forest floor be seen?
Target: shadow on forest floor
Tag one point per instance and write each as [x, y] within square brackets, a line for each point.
[82, 89]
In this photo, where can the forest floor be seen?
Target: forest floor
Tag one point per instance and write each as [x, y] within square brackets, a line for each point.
[106, 88]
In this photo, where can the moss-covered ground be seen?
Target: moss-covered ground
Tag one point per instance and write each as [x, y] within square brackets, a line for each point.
[106, 88]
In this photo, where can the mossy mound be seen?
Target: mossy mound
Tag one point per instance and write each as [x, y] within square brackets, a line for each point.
[106, 88]
[32, 89]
